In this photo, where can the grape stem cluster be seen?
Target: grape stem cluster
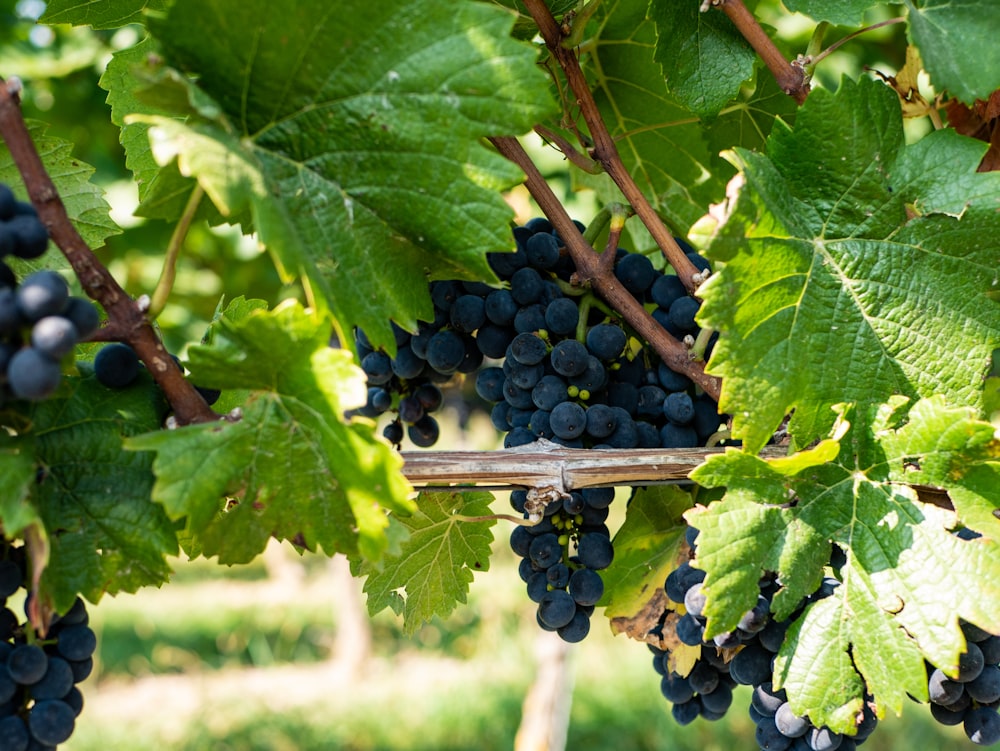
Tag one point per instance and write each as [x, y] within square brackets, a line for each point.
[127, 321]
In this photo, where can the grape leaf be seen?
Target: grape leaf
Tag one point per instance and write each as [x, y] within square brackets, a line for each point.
[947, 448]
[888, 614]
[646, 548]
[163, 191]
[101, 14]
[17, 475]
[290, 468]
[705, 60]
[834, 255]
[351, 134]
[432, 571]
[104, 532]
[957, 41]
[840, 12]
[84, 201]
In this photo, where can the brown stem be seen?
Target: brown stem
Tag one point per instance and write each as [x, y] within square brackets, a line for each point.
[580, 160]
[604, 150]
[791, 78]
[125, 317]
[589, 269]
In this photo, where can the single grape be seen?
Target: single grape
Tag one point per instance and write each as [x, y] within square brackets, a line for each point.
[51, 721]
[31, 238]
[528, 349]
[556, 609]
[577, 629]
[424, 432]
[636, 273]
[56, 682]
[14, 734]
[666, 290]
[569, 358]
[562, 316]
[500, 307]
[678, 408]
[42, 293]
[682, 313]
[704, 679]
[606, 341]
[545, 550]
[76, 642]
[568, 420]
[526, 286]
[445, 351]
[595, 551]
[54, 336]
[27, 664]
[116, 365]
[468, 313]
[586, 586]
[790, 724]
[542, 250]
[32, 375]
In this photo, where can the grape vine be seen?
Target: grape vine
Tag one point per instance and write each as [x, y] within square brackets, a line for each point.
[786, 293]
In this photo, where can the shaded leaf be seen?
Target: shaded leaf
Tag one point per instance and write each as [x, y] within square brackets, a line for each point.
[646, 548]
[957, 41]
[705, 60]
[101, 14]
[431, 572]
[840, 12]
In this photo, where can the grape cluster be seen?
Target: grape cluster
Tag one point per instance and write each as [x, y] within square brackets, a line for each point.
[39, 698]
[406, 381]
[972, 697]
[548, 355]
[565, 586]
[40, 322]
[707, 690]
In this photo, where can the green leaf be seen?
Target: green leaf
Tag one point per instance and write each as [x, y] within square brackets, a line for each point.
[290, 468]
[17, 476]
[350, 134]
[840, 12]
[705, 60]
[101, 14]
[907, 580]
[957, 42]
[84, 201]
[105, 533]
[839, 246]
[431, 572]
[137, 84]
[646, 548]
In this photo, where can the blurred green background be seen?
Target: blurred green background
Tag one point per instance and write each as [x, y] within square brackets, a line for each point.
[269, 656]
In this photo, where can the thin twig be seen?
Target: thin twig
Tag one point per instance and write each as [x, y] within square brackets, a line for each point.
[165, 285]
[604, 150]
[125, 316]
[810, 61]
[580, 160]
[588, 269]
[791, 78]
